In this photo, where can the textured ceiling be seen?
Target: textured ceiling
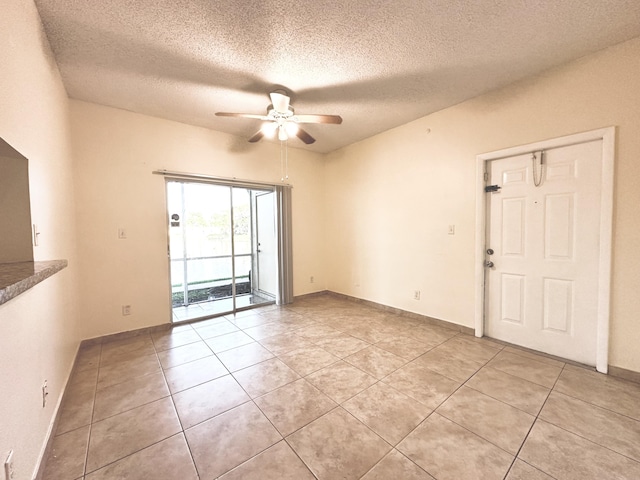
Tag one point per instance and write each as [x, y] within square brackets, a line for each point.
[377, 63]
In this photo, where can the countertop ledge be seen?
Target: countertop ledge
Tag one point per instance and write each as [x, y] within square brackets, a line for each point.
[17, 278]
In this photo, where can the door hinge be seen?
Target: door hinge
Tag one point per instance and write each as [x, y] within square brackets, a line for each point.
[492, 188]
[486, 176]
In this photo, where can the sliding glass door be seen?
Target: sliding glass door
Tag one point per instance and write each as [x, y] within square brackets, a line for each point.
[221, 248]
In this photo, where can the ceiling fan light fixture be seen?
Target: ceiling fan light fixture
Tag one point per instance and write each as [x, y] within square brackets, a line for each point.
[291, 128]
[269, 129]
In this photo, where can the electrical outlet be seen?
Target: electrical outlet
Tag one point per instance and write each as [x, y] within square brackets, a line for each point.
[126, 310]
[311, 279]
[9, 470]
[416, 294]
[45, 394]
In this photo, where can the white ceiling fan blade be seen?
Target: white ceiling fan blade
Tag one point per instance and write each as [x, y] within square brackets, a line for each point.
[242, 115]
[335, 119]
[280, 102]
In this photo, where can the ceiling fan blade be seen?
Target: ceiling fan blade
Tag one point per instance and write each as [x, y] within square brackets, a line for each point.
[335, 119]
[305, 137]
[280, 102]
[257, 137]
[242, 115]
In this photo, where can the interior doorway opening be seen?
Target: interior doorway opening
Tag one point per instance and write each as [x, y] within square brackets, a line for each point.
[222, 250]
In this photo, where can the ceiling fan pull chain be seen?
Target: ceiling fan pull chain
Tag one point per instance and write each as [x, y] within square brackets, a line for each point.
[281, 164]
[286, 159]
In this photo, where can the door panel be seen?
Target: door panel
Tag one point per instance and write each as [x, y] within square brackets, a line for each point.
[542, 291]
[266, 238]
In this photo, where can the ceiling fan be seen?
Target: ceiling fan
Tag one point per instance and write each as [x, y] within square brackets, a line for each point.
[281, 117]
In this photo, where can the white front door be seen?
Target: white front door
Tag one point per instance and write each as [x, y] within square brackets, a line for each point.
[266, 239]
[542, 290]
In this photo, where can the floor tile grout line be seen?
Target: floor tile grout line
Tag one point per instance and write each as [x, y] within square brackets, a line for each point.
[537, 416]
[598, 406]
[93, 406]
[182, 429]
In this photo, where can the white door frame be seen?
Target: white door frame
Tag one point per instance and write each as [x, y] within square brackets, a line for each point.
[607, 135]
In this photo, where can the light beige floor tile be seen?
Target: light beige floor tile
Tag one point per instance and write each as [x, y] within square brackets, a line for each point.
[185, 354]
[443, 362]
[495, 421]
[564, 455]
[82, 383]
[449, 452]
[517, 392]
[342, 345]
[430, 335]
[523, 471]
[119, 372]
[539, 357]
[338, 446]
[604, 427]
[172, 339]
[207, 323]
[265, 377]
[266, 330]
[527, 368]
[205, 401]
[422, 384]
[88, 358]
[120, 350]
[247, 320]
[281, 314]
[404, 347]
[67, 456]
[367, 333]
[294, 405]
[604, 391]
[465, 348]
[308, 360]
[341, 381]
[316, 332]
[397, 466]
[278, 462]
[130, 394]
[217, 329]
[231, 438]
[385, 410]
[194, 373]
[169, 459]
[228, 341]
[121, 435]
[244, 356]
[285, 343]
[76, 412]
[376, 361]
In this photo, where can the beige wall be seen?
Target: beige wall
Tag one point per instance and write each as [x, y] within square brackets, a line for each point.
[39, 335]
[116, 152]
[392, 197]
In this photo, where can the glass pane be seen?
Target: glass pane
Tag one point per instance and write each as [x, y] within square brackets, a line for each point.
[209, 279]
[207, 220]
[242, 220]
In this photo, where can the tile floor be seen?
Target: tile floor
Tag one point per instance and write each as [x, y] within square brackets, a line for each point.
[331, 389]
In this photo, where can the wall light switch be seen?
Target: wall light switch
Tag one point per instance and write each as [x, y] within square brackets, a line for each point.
[452, 229]
[122, 233]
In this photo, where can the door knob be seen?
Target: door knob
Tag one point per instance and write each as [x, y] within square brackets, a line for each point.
[489, 251]
[488, 263]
